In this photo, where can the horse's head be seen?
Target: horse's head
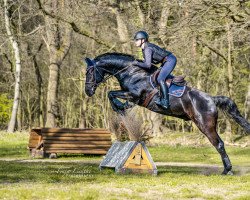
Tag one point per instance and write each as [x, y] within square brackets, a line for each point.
[94, 76]
[108, 63]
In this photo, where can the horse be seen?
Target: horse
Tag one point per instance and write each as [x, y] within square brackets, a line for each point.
[135, 84]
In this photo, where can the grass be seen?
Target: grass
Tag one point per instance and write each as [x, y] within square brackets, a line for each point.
[25, 179]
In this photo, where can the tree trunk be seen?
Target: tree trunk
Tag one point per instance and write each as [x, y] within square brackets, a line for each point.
[19, 114]
[247, 102]
[229, 58]
[58, 49]
[122, 31]
[163, 21]
[39, 88]
[140, 13]
[230, 72]
[15, 47]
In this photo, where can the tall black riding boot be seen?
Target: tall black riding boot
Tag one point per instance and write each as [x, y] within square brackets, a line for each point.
[164, 101]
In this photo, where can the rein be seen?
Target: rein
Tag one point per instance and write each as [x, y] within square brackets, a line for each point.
[105, 78]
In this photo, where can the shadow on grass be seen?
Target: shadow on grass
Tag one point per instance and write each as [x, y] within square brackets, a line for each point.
[14, 151]
[187, 170]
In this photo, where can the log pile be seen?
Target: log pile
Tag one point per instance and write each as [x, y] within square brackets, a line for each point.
[65, 140]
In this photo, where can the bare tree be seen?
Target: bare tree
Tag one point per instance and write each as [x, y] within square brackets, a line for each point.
[16, 50]
[58, 44]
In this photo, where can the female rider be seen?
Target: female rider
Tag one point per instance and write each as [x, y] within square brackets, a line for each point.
[155, 54]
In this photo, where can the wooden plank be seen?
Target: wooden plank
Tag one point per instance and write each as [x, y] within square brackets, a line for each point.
[135, 166]
[74, 145]
[36, 131]
[107, 138]
[96, 151]
[71, 130]
[108, 142]
[34, 138]
[76, 135]
[34, 142]
[32, 146]
[76, 148]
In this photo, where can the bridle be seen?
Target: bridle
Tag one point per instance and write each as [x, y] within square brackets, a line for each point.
[104, 78]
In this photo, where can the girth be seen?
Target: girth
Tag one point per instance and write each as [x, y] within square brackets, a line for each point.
[150, 97]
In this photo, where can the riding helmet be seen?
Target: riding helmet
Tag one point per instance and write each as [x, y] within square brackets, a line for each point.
[141, 35]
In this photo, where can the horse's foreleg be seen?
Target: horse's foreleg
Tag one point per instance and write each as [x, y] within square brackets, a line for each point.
[117, 105]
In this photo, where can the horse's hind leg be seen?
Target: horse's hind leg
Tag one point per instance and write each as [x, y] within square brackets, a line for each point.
[208, 127]
[204, 113]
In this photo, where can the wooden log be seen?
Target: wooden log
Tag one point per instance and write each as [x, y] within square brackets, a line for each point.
[33, 143]
[34, 138]
[96, 151]
[108, 142]
[66, 140]
[76, 135]
[71, 130]
[36, 131]
[107, 138]
[75, 145]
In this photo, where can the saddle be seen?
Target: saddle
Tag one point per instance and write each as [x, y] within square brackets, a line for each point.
[177, 86]
[178, 80]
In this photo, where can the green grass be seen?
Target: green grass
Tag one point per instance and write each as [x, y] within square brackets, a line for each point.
[26, 179]
[203, 155]
[83, 181]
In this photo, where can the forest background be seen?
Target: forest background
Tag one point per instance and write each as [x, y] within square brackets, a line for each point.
[43, 44]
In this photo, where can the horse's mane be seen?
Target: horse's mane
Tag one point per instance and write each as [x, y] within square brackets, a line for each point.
[115, 55]
[121, 58]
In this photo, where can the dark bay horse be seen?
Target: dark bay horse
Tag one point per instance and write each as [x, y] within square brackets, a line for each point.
[194, 105]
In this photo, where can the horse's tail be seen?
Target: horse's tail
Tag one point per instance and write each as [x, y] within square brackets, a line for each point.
[227, 105]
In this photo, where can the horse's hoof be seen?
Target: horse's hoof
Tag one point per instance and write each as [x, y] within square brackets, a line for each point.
[230, 173]
[225, 172]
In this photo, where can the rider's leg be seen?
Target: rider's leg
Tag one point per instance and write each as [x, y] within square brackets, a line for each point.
[164, 100]
[167, 68]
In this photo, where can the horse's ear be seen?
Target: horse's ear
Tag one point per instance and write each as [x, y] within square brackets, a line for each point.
[89, 62]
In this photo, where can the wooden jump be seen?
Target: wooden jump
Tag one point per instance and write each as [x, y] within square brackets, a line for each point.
[65, 140]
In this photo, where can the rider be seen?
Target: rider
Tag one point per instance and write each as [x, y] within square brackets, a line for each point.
[155, 54]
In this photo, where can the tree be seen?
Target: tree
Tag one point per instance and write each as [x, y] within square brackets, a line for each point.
[15, 47]
[58, 44]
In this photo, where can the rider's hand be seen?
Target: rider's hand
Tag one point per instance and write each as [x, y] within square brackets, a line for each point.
[135, 62]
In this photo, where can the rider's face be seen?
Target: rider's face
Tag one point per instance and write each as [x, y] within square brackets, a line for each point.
[138, 42]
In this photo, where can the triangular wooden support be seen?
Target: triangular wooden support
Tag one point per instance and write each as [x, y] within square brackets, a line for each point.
[128, 157]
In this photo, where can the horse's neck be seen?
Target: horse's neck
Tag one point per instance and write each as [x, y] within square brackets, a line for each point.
[131, 72]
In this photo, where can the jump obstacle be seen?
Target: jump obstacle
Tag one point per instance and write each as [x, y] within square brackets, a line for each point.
[129, 157]
[51, 141]
[124, 157]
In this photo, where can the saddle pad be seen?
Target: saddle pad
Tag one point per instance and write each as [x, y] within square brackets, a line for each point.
[176, 90]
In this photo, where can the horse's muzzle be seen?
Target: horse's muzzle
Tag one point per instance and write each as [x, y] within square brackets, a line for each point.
[90, 91]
